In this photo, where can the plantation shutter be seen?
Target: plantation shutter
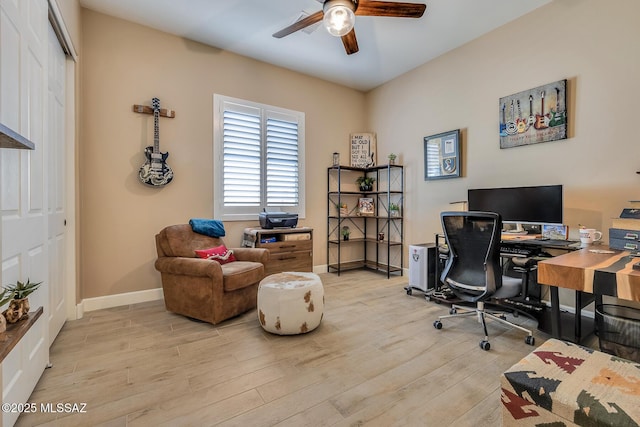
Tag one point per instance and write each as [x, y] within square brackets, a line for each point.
[241, 157]
[258, 159]
[282, 171]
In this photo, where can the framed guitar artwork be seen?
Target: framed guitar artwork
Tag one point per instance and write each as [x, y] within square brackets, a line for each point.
[547, 119]
[155, 172]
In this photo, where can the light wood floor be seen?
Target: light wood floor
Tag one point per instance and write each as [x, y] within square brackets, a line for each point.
[376, 359]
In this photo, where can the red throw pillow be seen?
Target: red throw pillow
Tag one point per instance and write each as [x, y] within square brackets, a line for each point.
[219, 253]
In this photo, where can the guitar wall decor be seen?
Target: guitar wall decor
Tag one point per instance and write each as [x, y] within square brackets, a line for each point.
[155, 171]
[546, 121]
[542, 120]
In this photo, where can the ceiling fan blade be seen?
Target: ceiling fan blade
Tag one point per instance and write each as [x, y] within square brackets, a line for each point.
[350, 42]
[387, 8]
[298, 25]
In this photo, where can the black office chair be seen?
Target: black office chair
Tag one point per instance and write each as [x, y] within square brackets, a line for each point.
[473, 270]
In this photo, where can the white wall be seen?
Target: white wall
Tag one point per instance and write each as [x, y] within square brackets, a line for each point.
[125, 64]
[593, 44]
[590, 43]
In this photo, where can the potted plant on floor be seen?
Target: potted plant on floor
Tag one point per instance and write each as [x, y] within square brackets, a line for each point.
[19, 305]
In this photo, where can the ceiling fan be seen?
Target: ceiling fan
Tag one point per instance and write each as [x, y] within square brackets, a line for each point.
[338, 17]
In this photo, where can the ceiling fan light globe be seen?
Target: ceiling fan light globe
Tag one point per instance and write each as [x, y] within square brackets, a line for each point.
[339, 18]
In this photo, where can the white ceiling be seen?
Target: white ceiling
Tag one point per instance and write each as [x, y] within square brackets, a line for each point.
[389, 47]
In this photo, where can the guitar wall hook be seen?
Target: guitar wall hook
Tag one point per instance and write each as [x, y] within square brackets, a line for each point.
[155, 171]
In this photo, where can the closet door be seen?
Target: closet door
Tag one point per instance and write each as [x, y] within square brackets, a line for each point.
[23, 192]
[55, 173]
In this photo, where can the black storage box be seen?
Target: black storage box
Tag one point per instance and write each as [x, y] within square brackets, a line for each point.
[625, 240]
[618, 330]
[278, 220]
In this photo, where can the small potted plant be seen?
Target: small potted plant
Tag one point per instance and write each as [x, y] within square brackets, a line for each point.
[342, 209]
[19, 305]
[392, 158]
[345, 232]
[365, 182]
[394, 209]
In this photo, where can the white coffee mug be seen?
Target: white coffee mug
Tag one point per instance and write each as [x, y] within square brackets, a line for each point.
[589, 235]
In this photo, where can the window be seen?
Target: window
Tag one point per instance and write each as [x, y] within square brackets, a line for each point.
[258, 159]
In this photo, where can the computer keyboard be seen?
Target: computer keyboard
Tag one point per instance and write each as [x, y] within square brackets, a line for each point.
[551, 242]
[510, 250]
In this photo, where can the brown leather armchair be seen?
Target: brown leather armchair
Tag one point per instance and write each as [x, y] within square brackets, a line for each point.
[201, 288]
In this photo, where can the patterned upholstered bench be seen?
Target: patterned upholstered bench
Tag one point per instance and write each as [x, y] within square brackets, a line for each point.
[563, 384]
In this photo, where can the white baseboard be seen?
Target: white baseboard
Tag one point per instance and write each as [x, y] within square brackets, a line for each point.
[318, 269]
[108, 301]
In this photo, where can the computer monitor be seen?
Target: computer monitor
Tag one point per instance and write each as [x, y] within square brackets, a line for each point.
[520, 205]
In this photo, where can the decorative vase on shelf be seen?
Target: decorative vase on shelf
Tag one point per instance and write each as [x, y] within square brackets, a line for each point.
[18, 310]
[392, 159]
[394, 210]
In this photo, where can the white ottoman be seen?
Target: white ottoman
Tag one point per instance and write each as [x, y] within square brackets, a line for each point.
[290, 303]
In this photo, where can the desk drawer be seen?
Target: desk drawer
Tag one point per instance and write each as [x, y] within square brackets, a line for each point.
[624, 239]
[289, 261]
[287, 246]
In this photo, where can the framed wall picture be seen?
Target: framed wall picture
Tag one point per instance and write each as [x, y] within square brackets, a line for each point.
[365, 206]
[363, 150]
[533, 116]
[442, 155]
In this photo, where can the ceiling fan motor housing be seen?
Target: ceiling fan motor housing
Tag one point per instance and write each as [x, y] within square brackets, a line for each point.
[339, 16]
[351, 4]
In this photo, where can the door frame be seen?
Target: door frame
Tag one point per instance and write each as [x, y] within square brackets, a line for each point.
[71, 119]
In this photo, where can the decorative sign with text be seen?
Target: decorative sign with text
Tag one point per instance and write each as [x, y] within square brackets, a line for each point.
[363, 150]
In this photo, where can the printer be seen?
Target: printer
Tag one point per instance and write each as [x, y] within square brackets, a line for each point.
[278, 220]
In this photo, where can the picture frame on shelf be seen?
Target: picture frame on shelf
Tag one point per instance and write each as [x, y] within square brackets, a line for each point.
[366, 206]
[442, 155]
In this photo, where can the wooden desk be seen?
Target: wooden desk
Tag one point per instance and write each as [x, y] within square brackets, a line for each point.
[592, 273]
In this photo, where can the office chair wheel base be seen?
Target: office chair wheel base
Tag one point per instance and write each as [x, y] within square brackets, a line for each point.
[485, 345]
[409, 291]
[530, 340]
[437, 324]
[452, 310]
